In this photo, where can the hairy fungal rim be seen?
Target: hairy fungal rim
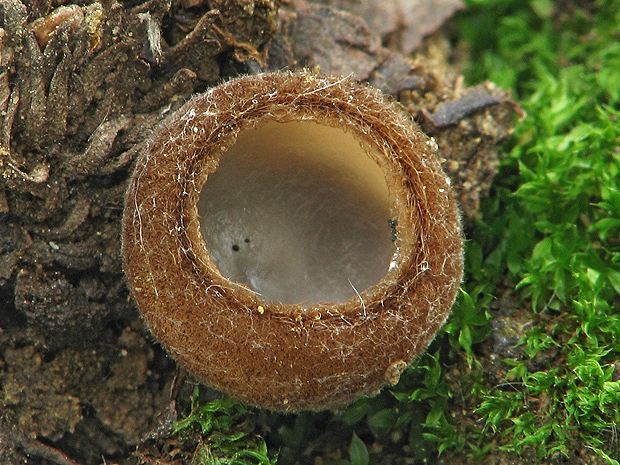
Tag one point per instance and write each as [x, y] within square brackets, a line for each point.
[289, 357]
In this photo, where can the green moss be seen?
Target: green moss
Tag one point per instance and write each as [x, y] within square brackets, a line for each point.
[551, 228]
[221, 438]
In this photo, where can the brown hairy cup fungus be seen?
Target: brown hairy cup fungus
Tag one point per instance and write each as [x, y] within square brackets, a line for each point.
[292, 240]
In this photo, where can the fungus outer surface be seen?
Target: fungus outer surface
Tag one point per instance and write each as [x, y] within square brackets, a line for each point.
[293, 357]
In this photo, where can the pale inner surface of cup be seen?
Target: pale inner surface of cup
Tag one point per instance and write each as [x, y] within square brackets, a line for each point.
[299, 213]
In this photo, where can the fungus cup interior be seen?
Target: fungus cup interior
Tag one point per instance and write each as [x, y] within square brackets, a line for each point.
[300, 213]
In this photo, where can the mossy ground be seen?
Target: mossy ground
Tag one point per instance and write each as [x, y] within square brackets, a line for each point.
[550, 232]
[543, 271]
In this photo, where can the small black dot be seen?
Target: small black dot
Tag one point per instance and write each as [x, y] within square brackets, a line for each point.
[393, 224]
[235, 247]
[246, 240]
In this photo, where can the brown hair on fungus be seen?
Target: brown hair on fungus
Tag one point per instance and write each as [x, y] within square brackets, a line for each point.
[289, 357]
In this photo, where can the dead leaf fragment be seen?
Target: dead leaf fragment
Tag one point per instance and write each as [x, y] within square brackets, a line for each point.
[401, 24]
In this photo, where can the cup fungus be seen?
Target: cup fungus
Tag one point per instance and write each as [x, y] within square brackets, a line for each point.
[292, 240]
